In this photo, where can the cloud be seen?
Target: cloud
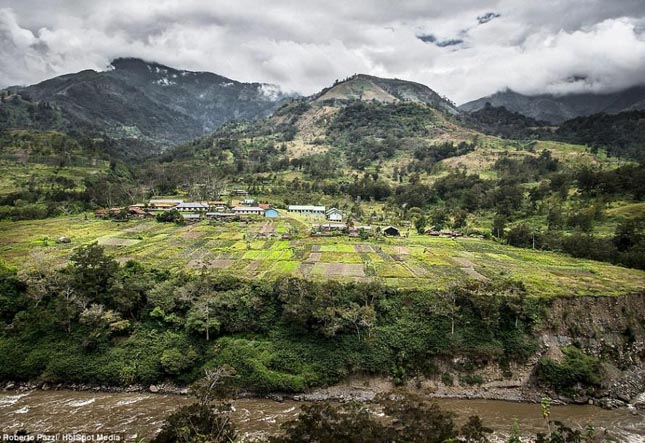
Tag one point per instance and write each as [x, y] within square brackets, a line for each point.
[429, 38]
[485, 18]
[463, 49]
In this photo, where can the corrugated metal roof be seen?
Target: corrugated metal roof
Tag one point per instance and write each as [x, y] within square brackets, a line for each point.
[306, 208]
[192, 205]
[248, 208]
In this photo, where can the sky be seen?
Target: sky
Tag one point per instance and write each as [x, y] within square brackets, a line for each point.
[463, 49]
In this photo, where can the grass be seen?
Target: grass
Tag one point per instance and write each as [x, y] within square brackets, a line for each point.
[16, 176]
[417, 261]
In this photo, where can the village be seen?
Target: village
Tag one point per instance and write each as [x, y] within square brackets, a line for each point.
[323, 221]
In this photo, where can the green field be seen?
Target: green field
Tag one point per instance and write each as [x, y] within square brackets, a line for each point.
[240, 249]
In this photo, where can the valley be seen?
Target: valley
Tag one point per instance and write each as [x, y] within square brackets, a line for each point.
[158, 225]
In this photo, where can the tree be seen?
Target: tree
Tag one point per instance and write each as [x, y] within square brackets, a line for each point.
[474, 431]
[545, 407]
[406, 418]
[459, 218]
[359, 317]
[446, 306]
[325, 423]
[198, 424]
[628, 233]
[516, 435]
[102, 324]
[172, 216]
[216, 384]
[420, 224]
[415, 419]
[438, 218]
[207, 420]
[520, 236]
[93, 271]
[555, 218]
[69, 302]
[201, 318]
[499, 224]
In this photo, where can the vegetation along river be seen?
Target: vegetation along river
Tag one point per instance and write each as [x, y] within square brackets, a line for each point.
[143, 413]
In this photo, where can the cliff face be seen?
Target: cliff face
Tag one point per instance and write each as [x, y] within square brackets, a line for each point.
[611, 329]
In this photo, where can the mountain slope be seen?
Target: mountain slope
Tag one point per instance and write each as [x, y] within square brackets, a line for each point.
[368, 88]
[150, 101]
[556, 109]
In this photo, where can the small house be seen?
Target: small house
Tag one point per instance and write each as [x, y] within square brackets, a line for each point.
[334, 215]
[249, 202]
[214, 204]
[391, 231]
[163, 204]
[333, 227]
[271, 213]
[136, 211]
[191, 218]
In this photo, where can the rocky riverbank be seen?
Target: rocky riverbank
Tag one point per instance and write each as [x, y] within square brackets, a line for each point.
[365, 389]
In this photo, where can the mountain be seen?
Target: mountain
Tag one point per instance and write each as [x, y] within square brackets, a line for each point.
[153, 102]
[557, 109]
[367, 88]
[355, 123]
[501, 122]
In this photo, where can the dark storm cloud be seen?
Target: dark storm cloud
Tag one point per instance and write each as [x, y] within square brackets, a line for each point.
[461, 48]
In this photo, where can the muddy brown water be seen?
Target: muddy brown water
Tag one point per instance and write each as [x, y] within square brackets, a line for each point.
[143, 414]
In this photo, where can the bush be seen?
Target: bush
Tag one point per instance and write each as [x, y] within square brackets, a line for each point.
[520, 236]
[576, 368]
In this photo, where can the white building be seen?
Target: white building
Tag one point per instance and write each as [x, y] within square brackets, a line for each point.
[334, 214]
[192, 207]
[248, 210]
[307, 209]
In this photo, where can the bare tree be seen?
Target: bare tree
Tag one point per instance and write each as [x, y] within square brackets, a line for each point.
[447, 306]
[216, 384]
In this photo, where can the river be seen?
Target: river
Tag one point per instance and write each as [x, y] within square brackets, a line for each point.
[143, 414]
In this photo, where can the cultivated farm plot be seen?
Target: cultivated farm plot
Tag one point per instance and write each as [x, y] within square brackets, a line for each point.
[342, 270]
[417, 261]
[116, 241]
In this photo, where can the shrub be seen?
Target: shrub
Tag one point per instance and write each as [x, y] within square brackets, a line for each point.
[576, 368]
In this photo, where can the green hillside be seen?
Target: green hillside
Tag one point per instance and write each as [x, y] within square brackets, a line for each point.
[243, 249]
[383, 151]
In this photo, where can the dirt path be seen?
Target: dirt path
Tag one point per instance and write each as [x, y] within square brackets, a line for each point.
[468, 268]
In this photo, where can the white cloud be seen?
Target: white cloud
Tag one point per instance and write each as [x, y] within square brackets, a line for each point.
[531, 47]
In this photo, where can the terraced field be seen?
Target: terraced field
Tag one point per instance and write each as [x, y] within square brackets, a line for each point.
[254, 250]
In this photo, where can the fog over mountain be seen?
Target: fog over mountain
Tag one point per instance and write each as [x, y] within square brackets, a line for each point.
[463, 49]
[559, 108]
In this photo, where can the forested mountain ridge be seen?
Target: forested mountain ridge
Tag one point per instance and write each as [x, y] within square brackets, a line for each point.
[135, 99]
[621, 134]
[559, 108]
